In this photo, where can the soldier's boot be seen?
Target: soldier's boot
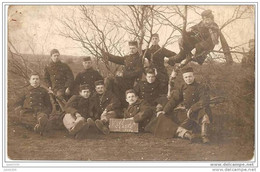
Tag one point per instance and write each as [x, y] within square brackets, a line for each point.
[205, 133]
[102, 127]
[78, 125]
[42, 122]
[82, 133]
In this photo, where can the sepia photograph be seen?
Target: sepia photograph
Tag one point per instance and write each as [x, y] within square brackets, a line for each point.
[128, 82]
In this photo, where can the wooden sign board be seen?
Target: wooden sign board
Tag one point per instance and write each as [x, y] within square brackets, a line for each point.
[123, 125]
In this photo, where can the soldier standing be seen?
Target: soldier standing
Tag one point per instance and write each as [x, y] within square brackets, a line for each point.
[58, 76]
[194, 96]
[87, 76]
[156, 54]
[34, 107]
[133, 69]
[203, 37]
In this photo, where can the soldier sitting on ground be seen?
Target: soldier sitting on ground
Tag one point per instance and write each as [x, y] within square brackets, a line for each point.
[151, 89]
[87, 76]
[138, 110]
[77, 119]
[105, 105]
[34, 106]
[133, 69]
[203, 37]
[196, 101]
[58, 77]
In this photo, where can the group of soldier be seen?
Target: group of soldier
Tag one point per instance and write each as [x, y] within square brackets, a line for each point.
[90, 100]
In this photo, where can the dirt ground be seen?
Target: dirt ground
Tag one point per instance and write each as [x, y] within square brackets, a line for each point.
[26, 145]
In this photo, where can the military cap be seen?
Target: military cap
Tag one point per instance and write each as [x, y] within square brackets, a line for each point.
[186, 70]
[155, 35]
[207, 14]
[87, 58]
[53, 51]
[130, 91]
[34, 73]
[84, 87]
[132, 43]
[150, 70]
[99, 82]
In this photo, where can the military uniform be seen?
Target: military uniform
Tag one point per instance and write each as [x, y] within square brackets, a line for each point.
[150, 92]
[200, 37]
[192, 96]
[106, 101]
[133, 69]
[141, 112]
[74, 122]
[78, 104]
[88, 76]
[35, 103]
[58, 76]
[155, 54]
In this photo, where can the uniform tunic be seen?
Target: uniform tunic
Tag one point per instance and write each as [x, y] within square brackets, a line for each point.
[192, 96]
[78, 104]
[35, 103]
[58, 76]
[148, 91]
[142, 113]
[35, 100]
[106, 101]
[88, 76]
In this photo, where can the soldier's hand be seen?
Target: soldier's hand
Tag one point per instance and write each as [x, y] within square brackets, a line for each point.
[67, 91]
[160, 113]
[132, 118]
[77, 115]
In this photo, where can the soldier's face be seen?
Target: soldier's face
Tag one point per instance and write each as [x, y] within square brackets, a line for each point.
[55, 57]
[133, 49]
[207, 21]
[150, 77]
[100, 89]
[85, 93]
[131, 98]
[35, 81]
[155, 40]
[188, 77]
[87, 64]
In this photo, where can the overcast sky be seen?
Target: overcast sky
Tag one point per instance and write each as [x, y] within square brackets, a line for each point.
[36, 25]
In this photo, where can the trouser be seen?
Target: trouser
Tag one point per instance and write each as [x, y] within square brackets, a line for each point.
[73, 124]
[29, 118]
[191, 125]
[188, 44]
